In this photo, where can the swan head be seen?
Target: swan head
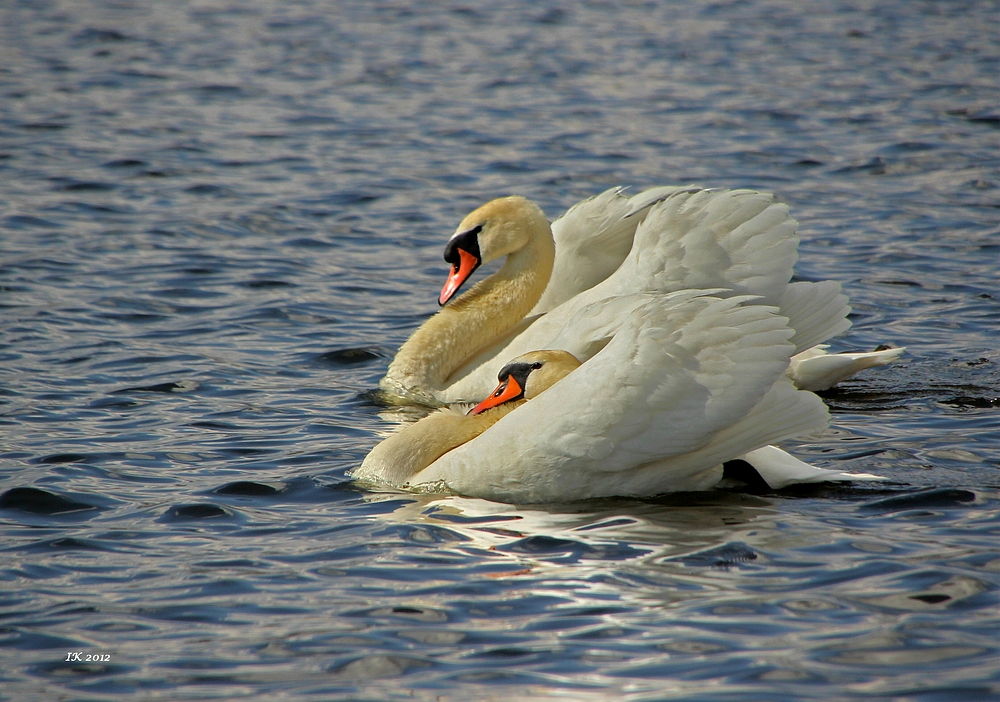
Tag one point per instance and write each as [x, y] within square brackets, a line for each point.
[498, 228]
[527, 376]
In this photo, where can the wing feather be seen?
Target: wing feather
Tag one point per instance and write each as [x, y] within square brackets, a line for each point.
[592, 239]
[816, 311]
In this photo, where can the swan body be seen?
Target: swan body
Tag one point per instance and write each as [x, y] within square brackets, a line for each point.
[562, 285]
[685, 382]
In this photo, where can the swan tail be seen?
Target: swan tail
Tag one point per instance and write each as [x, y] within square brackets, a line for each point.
[780, 469]
[815, 369]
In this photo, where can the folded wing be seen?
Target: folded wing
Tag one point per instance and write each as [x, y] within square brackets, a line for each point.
[678, 385]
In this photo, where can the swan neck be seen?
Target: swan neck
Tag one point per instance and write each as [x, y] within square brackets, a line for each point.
[473, 321]
[407, 452]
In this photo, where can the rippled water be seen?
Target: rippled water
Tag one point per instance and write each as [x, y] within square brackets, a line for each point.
[219, 220]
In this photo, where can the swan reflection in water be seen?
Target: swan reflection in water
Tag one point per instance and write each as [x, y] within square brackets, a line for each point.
[674, 548]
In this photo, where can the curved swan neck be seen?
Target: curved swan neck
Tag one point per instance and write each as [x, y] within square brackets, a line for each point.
[414, 447]
[475, 319]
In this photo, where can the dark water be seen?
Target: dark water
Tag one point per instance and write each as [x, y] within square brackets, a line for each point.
[219, 220]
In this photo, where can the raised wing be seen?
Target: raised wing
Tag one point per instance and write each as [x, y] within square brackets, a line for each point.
[816, 311]
[740, 240]
[592, 239]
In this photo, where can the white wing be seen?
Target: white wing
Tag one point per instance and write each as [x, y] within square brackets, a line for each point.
[592, 239]
[682, 371]
[735, 239]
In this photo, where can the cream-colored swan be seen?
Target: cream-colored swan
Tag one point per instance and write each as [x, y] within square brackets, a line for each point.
[513, 227]
[403, 455]
[662, 240]
[687, 382]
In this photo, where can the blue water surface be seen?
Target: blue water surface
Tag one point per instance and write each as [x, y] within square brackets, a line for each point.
[218, 220]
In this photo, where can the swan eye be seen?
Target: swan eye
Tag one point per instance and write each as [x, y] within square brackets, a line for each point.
[536, 365]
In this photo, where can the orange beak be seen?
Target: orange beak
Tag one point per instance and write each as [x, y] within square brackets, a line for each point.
[459, 274]
[506, 391]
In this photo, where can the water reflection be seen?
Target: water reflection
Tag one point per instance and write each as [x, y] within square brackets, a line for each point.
[672, 525]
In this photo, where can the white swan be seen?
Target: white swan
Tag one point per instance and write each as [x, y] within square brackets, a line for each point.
[686, 382]
[662, 240]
